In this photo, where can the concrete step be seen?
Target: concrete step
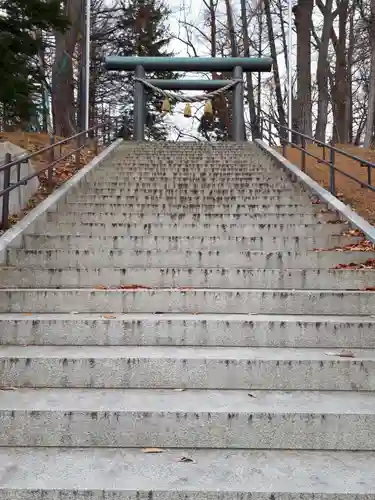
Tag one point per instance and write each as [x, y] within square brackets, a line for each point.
[191, 166]
[187, 168]
[165, 243]
[201, 172]
[239, 192]
[166, 277]
[248, 330]
[188, 179]
[155, 196]
[182, 229]
[218, 186]
[207, 170]
[124, 474]
[331, 420]
[181, 208]
[170, 367]
[188, 218]
[248, 259]
[199, 300]
[239, 185]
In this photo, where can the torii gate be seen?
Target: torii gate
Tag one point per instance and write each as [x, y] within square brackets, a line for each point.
[238, 65]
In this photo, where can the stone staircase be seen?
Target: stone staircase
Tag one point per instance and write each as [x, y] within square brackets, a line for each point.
[171, 334]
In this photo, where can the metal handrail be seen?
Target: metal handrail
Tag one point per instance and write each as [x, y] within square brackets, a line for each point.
[304, 139]
[80, 138]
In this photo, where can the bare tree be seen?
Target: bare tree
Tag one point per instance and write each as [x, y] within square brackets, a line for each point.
[340, 84]
[371, 97]
[254, 124]
[63, 101]
[276, 73]
[303, 18]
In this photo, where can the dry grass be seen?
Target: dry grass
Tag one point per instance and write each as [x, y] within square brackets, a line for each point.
[360, 199]
[64, 170]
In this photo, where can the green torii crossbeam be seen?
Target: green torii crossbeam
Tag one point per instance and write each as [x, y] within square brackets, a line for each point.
[237, 65]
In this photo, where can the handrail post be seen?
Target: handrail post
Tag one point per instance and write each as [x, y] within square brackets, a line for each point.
[52, 159]
[108, 133]
[95, 138]
[303, 153]
[269, 133]
[116, 128]
[284, 144]
[6, 184]
[369, 175]
[78, 152]
[332, 187]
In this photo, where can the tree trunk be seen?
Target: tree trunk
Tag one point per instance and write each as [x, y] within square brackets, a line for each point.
[303, 15]
[275, 66]
[255, 132]
[371, 97]
[234, 53]
[351, 46]
[219, 103]
[62, 71]
[322, 70]
[340, 88]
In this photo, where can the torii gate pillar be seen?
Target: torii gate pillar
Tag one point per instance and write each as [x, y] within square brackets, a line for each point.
[238, 65]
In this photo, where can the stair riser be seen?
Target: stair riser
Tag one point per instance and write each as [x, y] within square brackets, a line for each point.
[181, 209]
[122, 493]
[260, 218]
[35, 242]
[200, 301]
[216, 187]
[141, 198]
[188, 178]
[168, 373]
[186, 230]
[177, 277]
[115, 172]
[190, 430]
[176, 192]
[121, 258]
[208, 331]
[213, 186]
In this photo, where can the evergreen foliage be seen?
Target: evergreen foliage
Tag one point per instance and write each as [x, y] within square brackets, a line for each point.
[22, 23]
[142, 30]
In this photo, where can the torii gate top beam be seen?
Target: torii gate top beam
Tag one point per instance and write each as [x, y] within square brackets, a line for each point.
[247, 64]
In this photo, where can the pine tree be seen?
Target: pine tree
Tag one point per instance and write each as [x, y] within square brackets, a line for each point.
[21, 25]
[142, 30]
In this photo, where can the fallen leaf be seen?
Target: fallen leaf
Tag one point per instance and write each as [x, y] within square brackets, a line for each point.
[368, 289]
[108, 316]
[100, 287]
[251, 395]
[152, 450]
[369, 264]
[352, 232]
[179, 390]
[7, 388]
[341, 354]
[27, 314]
[185, 459]
[134, 287]
[361, 246]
